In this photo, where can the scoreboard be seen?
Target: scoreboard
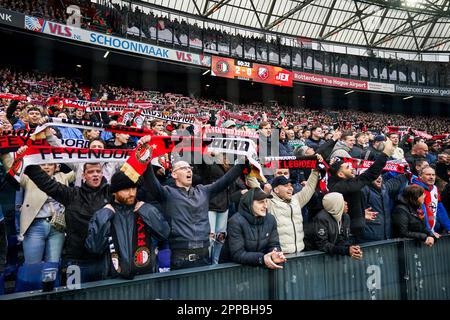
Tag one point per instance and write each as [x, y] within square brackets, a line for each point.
[245, 70]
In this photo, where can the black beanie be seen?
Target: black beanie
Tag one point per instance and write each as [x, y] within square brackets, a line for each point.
[120, 181]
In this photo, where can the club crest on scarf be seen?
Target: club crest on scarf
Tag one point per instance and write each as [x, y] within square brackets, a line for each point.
[142, 257]
[143, 153]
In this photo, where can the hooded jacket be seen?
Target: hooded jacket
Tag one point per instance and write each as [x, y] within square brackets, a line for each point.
[250, 237]
[288, 215]
[407, 223]
[80, 202]
[121, 226]
[330, 229]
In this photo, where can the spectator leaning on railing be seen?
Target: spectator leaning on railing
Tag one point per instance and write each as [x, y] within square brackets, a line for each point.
[252, 233]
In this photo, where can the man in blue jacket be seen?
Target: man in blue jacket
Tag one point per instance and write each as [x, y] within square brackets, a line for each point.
[186, 208]
[379, 197]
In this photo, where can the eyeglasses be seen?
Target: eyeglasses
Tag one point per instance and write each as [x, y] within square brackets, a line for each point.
[183, 168]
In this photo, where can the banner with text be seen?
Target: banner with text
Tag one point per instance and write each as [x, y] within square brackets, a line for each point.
[112, 42]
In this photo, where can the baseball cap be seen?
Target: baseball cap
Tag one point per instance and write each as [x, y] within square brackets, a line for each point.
[281, 180]
[261, 195]
[379, 137]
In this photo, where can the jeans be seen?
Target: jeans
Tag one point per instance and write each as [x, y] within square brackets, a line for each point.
[42, 243]
[218, 224]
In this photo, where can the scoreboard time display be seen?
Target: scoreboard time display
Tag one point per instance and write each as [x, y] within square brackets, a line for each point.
[244, 70]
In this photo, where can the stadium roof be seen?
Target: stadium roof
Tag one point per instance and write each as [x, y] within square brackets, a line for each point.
[413, 25]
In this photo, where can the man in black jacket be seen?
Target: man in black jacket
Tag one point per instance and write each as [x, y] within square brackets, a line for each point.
[126, 228]
[374, 149]
[81, 203]
[330, 229]
[343, 180]
[252, 233]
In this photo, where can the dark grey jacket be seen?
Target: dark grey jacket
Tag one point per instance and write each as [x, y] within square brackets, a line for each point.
[187, 211]
[250, 237]
[382, 201]
[123, 221]
[323, 234]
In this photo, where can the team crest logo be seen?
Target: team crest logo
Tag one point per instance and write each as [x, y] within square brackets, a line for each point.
[321, 232]
[222, 67]
[143, 153]
[142, 257]
[34, 24]
[139, 121]
[432, 207]
[128, 116]
[263, 73]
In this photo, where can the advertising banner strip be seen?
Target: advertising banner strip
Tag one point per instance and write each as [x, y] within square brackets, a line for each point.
[112, 42]
[420, 91]
[12, 18]
[379, 86]
[323, 80]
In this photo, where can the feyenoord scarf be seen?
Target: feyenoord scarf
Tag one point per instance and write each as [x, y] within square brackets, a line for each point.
[159, 145]
[12, 143]
[399, 166]
[291, 162]
[141, 250]
[13, 96]
[144, 153]
[42, 155]
[89, 125]
[214, 131]
[159, 115]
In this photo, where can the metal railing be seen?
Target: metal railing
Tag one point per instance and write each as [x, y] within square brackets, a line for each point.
[391, 270]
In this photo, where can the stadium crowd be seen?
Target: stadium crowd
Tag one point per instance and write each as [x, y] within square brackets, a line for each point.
[181, 214]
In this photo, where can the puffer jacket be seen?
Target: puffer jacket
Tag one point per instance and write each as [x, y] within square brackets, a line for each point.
[80, 202]
[289, 216]
[407, 223]
[250, 237]
[124, 222]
